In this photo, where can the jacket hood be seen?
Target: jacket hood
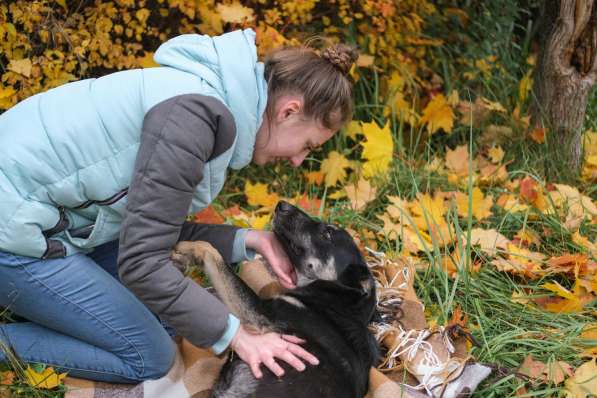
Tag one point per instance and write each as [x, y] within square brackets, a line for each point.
[228, 63]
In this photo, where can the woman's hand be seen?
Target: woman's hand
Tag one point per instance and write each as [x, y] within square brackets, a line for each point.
[256, 349]
[266, 244]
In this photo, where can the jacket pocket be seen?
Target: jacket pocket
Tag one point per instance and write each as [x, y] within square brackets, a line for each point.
[107, 222]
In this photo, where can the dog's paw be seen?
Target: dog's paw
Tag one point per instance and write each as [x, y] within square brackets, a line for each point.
[194, 253]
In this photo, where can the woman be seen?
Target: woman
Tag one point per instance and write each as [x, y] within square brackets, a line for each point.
[109, 168]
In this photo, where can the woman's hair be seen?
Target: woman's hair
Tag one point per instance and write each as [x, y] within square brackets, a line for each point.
[322, 79]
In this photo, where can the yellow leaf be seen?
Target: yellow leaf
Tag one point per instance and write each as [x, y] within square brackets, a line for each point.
[411, 241]
[364, 60]
[559, 290]
[453, 98]
[62, 3]
[352, 129]
[260, 222]
[570, 302]
[481, 205]
[438, 115]
[396, 82]
[398, 209]
[377, 149]
[527, 237]
[211, 21]
[492, 106]
[360, 194]
[147, 60]
[584, 382]
[489, 240]
[48, 379]
[21, 66]
[333, 168]
[496, 154]
[428, 215]
[403, 109]
[525, 85]
[6, 97]
[337, 195]
[457, 160]
[257, 195]
[142, 14]
[235, 12]
[584, 242]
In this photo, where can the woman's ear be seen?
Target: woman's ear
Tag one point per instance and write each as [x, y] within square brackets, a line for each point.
[289, 106]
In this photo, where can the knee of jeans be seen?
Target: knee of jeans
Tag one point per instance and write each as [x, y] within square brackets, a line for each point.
[158, 362]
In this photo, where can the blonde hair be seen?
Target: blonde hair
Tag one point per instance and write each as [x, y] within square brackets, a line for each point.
[322, 79]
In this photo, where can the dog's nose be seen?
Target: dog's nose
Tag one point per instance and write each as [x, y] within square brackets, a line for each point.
[283, 207]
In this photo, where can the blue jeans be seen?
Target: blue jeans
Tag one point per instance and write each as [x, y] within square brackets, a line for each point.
[81, 319]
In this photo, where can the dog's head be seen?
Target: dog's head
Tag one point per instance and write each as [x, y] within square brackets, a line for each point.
[319, 251]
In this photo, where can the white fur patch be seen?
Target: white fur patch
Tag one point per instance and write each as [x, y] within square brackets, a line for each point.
[292, 300]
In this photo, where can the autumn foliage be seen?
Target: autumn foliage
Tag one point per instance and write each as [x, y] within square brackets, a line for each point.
[427, 170]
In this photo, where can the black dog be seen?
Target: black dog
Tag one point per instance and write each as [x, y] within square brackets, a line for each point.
[330, 309]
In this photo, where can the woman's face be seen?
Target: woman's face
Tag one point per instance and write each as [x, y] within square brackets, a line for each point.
[291, 137]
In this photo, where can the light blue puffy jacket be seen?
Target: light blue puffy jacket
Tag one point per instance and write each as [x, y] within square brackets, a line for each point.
[64, 151]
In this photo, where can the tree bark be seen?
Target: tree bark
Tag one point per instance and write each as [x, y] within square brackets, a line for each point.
[566, 71]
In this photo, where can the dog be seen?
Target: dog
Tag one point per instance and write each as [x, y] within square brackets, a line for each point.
[330, 309]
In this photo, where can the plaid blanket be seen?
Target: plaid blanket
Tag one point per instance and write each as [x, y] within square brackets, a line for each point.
[195, 370]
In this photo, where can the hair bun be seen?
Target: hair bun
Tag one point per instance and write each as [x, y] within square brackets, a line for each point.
[342, 56]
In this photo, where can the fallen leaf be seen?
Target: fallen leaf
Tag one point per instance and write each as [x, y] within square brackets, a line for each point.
[584, 382]
[438, 114]
[352, 129]
[21, 66]
[146, 61]
[481, 205]
[209, 215]
[7, 378]
[47, 379]
[333, 168]
[314, 177]
[257, 195]
[538, 135]
[496, 154]
[532, 368]
[378, 149]
[365, 60]
[457, 160]
[489, 240]
[235, 12]
[360, 194]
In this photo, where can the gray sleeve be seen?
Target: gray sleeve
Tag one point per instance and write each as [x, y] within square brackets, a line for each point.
[227, 239]
[179, 135]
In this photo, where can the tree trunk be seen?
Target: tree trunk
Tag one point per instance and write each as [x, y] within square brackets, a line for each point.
[566, 71]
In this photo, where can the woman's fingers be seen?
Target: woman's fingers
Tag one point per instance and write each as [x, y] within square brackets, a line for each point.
[302, 353]
[274, 367]
[255, 369]
[292, 360]
[292, 339]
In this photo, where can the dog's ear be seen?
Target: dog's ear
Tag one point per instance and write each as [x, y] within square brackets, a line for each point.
[358, 276]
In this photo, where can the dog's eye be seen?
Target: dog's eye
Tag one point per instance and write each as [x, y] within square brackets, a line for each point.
[327, 235]
[295, 248]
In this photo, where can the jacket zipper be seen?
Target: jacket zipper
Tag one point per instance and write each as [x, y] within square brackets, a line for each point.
[104, 202]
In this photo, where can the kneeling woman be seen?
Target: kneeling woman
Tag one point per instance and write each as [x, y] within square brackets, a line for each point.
[98, 176]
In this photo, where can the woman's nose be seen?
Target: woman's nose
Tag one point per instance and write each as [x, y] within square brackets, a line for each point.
[298, 159]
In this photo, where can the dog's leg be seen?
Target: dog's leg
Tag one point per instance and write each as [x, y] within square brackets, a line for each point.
[237, 296]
